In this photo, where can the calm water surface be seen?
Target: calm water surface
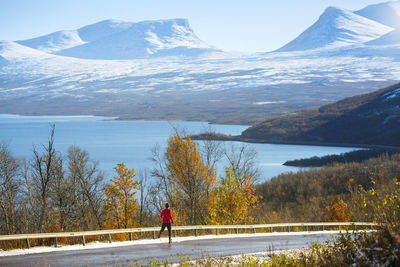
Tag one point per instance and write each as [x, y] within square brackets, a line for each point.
[110, 142]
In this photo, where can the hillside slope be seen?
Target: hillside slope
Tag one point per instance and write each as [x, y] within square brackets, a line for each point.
[372, 119]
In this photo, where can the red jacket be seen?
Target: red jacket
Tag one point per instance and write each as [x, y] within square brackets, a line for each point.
[166, 216]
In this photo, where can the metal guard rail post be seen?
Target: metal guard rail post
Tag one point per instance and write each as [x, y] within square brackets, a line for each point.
[129, 231]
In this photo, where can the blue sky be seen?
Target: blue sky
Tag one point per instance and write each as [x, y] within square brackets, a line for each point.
[232, 25]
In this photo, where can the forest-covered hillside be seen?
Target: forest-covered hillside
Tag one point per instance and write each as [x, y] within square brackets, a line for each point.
[307, 195]
[368, 119]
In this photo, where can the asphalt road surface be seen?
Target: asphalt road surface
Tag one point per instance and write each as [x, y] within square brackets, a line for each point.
[162, 250]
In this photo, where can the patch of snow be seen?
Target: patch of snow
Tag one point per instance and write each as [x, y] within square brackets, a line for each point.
[388, 118]
[268, 102]
[393, 94]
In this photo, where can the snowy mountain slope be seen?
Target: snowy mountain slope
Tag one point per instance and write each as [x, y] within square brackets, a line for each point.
[201, 74]
[207, 88]
[387, 13]
[143, 39]
[336, 28]
[102, 29]
[13, 52]
[54, 42]
[60, 40]
[391, 38]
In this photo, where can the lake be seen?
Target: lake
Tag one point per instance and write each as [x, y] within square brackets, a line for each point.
[110, 141]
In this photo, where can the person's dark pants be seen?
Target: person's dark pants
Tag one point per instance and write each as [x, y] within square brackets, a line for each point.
[168, 225]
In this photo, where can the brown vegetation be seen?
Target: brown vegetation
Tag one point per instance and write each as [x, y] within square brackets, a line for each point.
[305, 195]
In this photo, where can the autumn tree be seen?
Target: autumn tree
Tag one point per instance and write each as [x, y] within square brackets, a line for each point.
[232, 200]
[190, 179]
[120, 204]
[185, 180]
[338, 211]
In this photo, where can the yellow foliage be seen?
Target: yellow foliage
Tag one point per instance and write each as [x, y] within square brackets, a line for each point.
[232, 200]
[120, 203]
[190, 180]
[382, 203]
[275, 217]
[337, 211]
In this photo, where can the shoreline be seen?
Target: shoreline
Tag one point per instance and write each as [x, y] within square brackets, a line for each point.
[222, 137]
[121, 118]
[217, 136]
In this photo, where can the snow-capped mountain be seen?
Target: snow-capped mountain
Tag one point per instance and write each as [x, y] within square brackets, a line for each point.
[387, 13]
[113, 39]
[161, 69]
[337, 28]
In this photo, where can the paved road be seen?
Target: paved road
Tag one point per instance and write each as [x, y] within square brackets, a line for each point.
[144, 253]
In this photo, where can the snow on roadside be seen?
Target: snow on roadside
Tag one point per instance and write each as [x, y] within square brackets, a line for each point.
[99, 245]
[237, 260]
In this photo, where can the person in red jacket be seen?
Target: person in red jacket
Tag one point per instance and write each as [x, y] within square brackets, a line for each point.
[167, 220]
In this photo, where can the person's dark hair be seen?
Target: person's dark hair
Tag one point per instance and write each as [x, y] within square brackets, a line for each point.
[167, 205]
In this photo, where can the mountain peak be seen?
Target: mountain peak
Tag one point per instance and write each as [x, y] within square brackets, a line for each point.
[335, 28]
[332, 10]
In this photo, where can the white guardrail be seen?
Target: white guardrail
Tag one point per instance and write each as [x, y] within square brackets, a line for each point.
[195, 228]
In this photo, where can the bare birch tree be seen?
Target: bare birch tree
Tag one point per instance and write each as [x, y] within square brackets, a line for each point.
[9, 190]
[43, 174]
[86, 181]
